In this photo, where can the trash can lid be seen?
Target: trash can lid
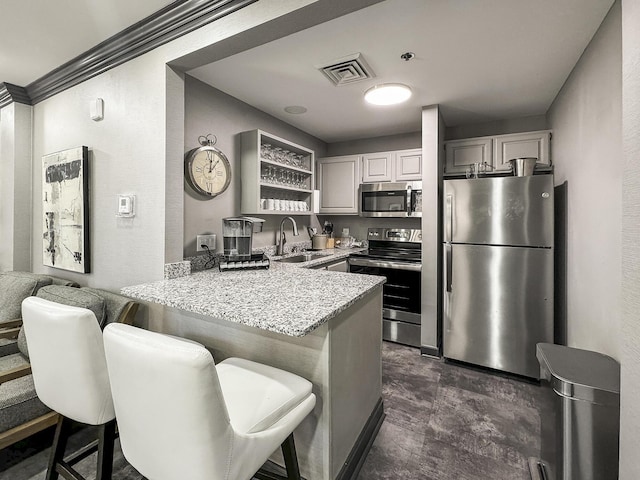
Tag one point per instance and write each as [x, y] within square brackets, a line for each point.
[580, 374]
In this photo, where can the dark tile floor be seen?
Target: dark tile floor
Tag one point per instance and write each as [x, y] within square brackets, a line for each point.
[448, 422]
[443, 422]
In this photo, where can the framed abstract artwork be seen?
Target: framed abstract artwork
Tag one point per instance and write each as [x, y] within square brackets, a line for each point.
[65, 210]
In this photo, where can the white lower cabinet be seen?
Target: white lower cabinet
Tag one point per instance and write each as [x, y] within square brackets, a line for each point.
[338, 181]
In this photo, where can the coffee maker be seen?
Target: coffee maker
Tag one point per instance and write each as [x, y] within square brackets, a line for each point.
[237, 234]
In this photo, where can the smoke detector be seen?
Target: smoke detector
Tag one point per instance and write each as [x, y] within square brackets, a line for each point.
[347, 70]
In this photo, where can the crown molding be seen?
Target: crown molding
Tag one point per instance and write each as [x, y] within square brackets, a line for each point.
[173, 21]
[10, 93]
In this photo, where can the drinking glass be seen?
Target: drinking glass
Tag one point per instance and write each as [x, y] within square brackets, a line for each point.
[265, 151]
[271, 174]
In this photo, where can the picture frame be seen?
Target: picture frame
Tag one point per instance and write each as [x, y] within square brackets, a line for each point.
[65, 210]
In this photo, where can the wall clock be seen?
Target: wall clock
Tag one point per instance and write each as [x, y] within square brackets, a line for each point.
[207, 169]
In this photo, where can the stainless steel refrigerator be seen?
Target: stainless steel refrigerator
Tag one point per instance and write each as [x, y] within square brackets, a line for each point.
[498, 271]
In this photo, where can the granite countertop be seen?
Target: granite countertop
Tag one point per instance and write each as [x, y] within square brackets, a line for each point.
[288, 298]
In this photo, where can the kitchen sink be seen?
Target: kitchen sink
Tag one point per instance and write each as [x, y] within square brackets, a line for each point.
[305, 257]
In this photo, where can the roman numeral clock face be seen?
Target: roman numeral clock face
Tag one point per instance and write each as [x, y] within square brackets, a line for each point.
[207, 171]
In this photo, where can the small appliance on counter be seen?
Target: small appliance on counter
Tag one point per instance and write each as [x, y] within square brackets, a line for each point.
[319, 241]
[237, 233]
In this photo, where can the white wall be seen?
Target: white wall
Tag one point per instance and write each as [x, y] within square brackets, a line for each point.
[15, 191]
[586, 121]
[127, 155]
[137, 149]
[630, 332]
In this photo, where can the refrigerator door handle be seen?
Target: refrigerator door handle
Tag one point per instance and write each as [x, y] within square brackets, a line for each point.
[449, 219]
[449, 261]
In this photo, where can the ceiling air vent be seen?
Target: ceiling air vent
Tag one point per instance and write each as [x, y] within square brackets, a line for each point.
[347, 70]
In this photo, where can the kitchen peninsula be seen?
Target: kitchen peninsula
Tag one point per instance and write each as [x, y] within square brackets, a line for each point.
[324, 326]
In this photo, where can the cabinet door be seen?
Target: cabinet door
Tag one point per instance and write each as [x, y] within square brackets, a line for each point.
[376, 167]
[340, 266]
[408, 165]
[338, 180]
[531, 144]
[460, 154]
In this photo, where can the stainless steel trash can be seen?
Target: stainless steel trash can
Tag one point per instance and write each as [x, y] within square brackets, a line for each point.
[585, 385]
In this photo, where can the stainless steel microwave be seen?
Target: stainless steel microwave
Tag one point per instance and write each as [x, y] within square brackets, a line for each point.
[390, 199]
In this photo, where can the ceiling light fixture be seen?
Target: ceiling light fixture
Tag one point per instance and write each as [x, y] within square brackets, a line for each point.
[387, 94]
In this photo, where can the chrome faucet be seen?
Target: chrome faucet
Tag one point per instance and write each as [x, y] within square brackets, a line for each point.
[282, 237]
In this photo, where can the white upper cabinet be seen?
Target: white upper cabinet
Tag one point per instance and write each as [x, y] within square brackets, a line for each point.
[376, 167]
[338, 181]
[461, 154]
[531, 144]
[398, 166]
[496, 152]
[408, 165]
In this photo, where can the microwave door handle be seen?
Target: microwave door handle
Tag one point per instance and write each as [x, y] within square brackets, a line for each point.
[409, 201]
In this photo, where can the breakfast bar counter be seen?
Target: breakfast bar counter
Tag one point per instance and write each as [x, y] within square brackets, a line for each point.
[291, 301]
[324, 326]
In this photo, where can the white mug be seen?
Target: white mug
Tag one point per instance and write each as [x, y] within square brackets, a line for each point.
[271, 204]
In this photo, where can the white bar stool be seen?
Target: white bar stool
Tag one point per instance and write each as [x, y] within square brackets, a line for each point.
[70, 376]
[181, 416]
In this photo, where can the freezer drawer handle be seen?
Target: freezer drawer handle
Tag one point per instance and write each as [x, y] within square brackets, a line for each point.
[449, 267]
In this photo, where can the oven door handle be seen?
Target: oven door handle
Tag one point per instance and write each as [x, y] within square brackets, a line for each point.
[367, 262]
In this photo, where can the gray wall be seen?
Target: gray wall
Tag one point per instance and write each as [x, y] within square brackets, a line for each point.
[630, 331]
[587, 125]
[377, 144]
[208, 110]
[499, 127]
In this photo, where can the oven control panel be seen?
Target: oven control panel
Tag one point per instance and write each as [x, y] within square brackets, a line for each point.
[395, 234]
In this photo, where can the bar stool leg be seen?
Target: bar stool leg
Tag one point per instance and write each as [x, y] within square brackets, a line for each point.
[290, 458]
[58, 447]
[106, 438]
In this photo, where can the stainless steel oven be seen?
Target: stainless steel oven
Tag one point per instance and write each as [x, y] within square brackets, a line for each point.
[387, 199]
[396, 255]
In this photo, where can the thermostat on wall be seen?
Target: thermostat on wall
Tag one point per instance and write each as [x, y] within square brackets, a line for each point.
[126, 206]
